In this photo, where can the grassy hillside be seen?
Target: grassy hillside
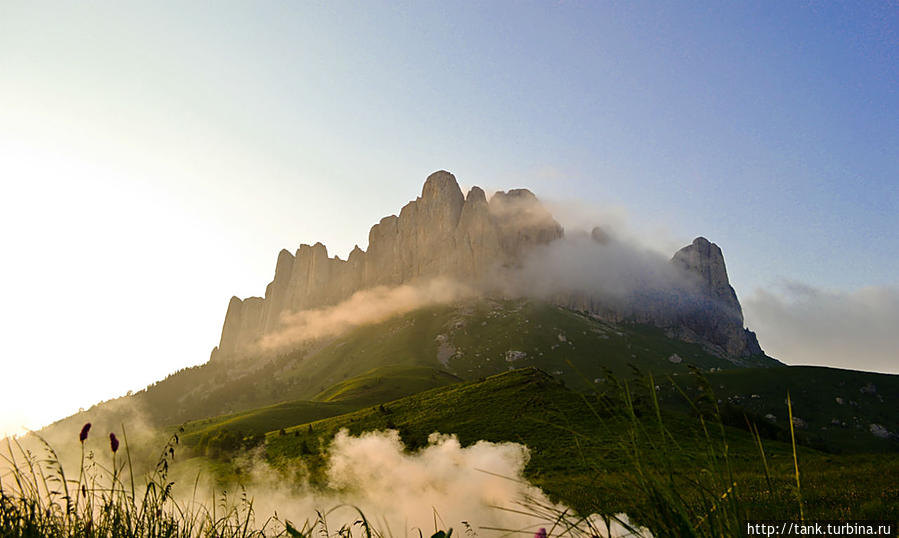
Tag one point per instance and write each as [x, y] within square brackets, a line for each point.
[603, 435]
[488, 337]
[836, 410]
[590, 451]
[371, 388]
[438, 345]
[469, 340]
[386, 383]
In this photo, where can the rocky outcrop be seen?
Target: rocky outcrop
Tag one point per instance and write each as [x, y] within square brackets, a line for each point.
[714, 317]
[522, 223]
[440, 233]
[443, 233]
[705, 260]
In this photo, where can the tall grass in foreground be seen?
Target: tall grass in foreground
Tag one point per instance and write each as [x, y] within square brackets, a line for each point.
[38, 499]
[678, 502]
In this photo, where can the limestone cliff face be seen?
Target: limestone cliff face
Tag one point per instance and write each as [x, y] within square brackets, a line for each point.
[440, 233]
[705, 260]
[443, 233]
[700, 306]
[718, 322]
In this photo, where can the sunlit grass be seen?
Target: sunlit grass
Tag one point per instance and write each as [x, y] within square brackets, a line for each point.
[677, 480]
[38, 499]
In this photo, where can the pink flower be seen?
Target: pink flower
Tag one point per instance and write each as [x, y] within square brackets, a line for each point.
[541, 533]
[113, 442]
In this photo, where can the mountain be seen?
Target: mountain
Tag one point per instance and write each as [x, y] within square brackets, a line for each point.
[465, 340]
[577, 335]
[469, 239]
[572, 371]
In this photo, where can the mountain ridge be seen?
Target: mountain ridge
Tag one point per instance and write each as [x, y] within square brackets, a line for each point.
[443, 233]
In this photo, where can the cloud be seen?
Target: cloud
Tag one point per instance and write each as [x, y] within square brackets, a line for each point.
[801, 324]
[617, 220]
[613, 269]
[368, 306]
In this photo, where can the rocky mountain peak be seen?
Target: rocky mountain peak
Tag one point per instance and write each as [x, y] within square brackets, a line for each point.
[442, 191]
[718, 322]
[443, 233]
[476, 195]
[705, 260]
[522, 222]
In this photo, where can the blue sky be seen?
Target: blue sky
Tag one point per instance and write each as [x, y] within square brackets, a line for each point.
[161, 154]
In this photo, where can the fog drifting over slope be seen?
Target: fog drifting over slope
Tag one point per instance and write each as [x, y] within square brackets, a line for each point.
[610, 269]
[364, 307]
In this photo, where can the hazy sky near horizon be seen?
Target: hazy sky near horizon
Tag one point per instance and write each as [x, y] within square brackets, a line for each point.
[155, 157]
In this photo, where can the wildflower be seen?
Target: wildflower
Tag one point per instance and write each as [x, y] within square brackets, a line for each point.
[113, 442]
[541, 533]
[84, 429]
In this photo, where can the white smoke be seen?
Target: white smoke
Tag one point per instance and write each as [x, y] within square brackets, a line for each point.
[479, 486]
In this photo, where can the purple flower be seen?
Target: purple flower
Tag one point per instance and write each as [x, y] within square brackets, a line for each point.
[541, 533]
[84, 429]
[113, 442]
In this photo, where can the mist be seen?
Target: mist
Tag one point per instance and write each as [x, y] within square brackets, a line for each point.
[480, 486]
[803, 324]
[618, 221]
[364, 307]
[607, 268]
[625, 277]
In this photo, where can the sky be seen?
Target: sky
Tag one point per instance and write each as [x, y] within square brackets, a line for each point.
[155, 157]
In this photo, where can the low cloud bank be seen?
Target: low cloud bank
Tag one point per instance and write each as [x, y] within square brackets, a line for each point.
[363, 307]
[606, 268]
[801, 324]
